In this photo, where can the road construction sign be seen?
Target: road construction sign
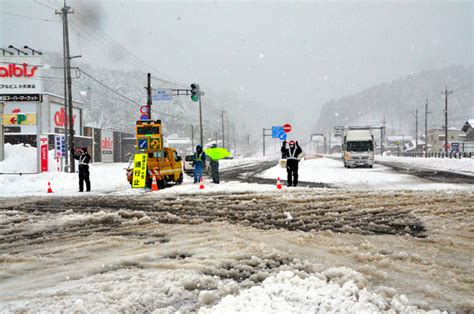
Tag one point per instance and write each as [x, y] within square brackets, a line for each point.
[139, 170]
[143, 143]
[150, 131]
[155, 144]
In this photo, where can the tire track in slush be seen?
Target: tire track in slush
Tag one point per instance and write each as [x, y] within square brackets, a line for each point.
[366, 213]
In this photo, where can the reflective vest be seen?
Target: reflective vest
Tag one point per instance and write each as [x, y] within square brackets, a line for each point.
[198, 157]
[292, 155]
[81, 160]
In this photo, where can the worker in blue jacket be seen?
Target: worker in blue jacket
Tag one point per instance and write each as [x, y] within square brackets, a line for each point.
[199, 162]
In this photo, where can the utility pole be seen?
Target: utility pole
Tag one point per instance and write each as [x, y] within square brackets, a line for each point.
[446, 93]
[200, 120]
[223, 137]
[426, 127]
[263, 133]
[66, 142]
[192, 138]
[416, 129]
[329, 140]
[382, 135]
[69, 125]
[235, 141]
[148, 95]
[228, 132]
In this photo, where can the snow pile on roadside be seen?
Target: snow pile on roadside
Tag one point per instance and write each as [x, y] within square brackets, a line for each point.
[22, 159]
[286, 292]
[446, 164]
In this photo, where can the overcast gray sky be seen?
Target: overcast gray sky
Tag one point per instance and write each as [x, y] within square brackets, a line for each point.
[288, 56]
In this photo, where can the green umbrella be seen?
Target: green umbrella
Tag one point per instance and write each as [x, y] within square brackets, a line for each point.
[217, 153]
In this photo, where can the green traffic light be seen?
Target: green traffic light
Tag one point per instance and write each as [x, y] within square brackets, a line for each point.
[195, 97]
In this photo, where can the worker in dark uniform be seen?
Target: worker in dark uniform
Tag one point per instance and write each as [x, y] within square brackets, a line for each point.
[214, 167]
[84, 159]
[291, 155]
[199, 163]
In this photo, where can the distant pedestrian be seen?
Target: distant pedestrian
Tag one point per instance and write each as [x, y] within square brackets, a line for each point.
[199, 162]
[291, 155]
[214, 168]
[84, 160]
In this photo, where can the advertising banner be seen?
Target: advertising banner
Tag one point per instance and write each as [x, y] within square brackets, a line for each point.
[107, 146]
[20, 77]
[60, 145]
[19, 119]
[58, 117]
[139, 170]
[1, 132]
[44, 153]
[13, 117]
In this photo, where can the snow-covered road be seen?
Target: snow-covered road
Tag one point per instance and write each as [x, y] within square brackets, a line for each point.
[221, 251]
[330, 170]
[375, 240]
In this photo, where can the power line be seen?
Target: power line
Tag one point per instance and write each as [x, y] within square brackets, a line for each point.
[105, 36]
[28, 17]
[107, 87]
[44, 5]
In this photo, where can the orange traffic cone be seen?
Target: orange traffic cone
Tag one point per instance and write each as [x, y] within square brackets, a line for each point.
[201, 185]
[50, 190]
[154, 185]
[278, 183]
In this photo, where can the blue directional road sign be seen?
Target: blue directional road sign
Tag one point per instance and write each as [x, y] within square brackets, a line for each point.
[282, 135]
[163, 95]
[143, 143]
[276, 130]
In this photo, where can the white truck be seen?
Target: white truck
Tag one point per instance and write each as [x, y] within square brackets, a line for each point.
[358, 148]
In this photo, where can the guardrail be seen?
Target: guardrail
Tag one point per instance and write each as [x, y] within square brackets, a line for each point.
[458, 155]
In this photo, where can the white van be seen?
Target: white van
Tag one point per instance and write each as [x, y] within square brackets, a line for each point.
[358, 148]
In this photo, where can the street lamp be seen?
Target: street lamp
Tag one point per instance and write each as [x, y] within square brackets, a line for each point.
[33, 51]
[18, 50]
[4, 50]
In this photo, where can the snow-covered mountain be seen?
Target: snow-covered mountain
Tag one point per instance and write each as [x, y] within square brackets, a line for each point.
[106, 109]
[396, 101]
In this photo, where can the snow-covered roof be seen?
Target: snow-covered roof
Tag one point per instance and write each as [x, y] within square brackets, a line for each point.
[469, 123]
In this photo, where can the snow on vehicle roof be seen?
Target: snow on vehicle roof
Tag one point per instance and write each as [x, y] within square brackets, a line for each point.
[358, 135]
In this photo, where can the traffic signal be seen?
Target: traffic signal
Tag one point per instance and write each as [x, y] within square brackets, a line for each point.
[195, 92]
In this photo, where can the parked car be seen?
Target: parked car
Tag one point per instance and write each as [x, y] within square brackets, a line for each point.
[188, 164]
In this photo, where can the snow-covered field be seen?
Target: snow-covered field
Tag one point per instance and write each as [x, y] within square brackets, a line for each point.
[332, 171]
[465, 165]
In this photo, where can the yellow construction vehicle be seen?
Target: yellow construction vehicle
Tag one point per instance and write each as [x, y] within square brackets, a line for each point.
[152, 159]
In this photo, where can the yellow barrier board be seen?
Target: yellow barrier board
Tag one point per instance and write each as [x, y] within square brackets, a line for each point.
[139, 170]
[19, 119]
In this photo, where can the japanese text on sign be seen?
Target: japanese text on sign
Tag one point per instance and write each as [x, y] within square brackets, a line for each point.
[139, 170]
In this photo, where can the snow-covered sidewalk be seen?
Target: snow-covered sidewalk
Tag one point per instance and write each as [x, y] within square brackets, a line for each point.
[465, 165]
